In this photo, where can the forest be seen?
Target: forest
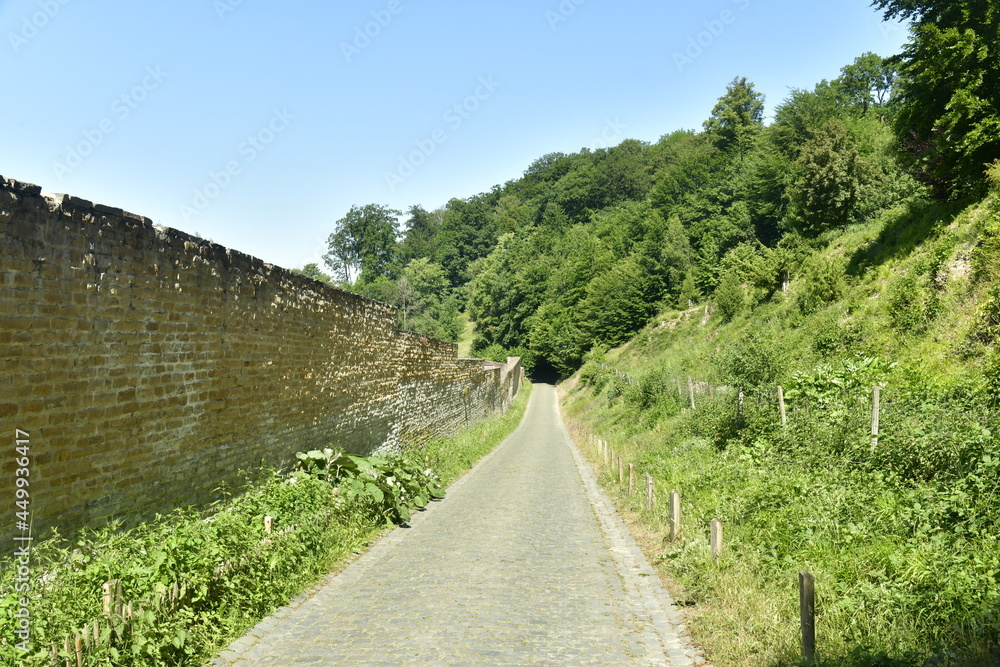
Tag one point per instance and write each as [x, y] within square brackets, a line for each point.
[583, 249]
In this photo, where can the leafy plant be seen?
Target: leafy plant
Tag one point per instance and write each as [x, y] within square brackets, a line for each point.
[392, 484]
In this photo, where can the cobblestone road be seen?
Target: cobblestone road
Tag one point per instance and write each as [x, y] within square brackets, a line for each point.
[524, 563]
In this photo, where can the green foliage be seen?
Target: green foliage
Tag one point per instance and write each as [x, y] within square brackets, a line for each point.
[909, 304]
[755, 266]
[229, 572]
[363, 244]
[993, 176]
[391, 484]
[426, 303]
[833, 175]
[822, 282]
[949, 113]
[313, 271]
[619, 302]
[730, 297]
[986, 329]
[868, 82]
[468, 232]
[420, 238]
[737, 117]
[986, 255]
[689, 294]
[750, 362]
[828, 383]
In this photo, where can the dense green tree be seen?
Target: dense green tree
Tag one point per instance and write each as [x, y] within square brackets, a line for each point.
[868, 82]
[690, 162]
[508, 287]
[737, 118]
[804, 111]
[420, 235]
[621, 173]
[619, 302]
[468, 232]
[364, 244]
[832, 176]
[948, 123]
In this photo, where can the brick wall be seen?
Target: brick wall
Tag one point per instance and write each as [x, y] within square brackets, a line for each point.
[150, 366]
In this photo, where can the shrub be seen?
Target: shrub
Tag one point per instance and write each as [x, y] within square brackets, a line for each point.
[993, 176]
[730, 297]
[750, 362]
[822, 283]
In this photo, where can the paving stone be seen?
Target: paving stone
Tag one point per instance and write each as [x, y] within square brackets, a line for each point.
[524, 563]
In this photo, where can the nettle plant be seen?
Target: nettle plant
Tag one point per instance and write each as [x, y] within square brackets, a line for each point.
[826, 383]
[393, 484]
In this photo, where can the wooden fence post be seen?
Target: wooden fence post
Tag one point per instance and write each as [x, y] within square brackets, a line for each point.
[691, 391]
[631, 479]
[108, 593]
[621, 470]
[781, 404]
[716, 539]
[679, 392]
[268, 524]
[649, 491]
[739, 404]
[675, 516]
[876, 407]
[807, 615]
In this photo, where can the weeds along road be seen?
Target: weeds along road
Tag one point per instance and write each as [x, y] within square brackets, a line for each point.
[524, 563]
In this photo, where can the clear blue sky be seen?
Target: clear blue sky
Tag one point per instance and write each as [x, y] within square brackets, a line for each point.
[259, 124]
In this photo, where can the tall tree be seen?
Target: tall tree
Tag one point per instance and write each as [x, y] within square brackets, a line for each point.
[737, 118]
[468, 232]
[868, 81]
[363, 246]
[420, 236]
[833, 175]
[949, 119]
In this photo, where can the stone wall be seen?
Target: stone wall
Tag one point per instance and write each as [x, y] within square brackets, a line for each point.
[150, 366]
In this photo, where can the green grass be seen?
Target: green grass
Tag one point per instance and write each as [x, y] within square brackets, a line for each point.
[468, 333]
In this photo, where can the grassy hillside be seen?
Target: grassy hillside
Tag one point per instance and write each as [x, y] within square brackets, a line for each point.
[901, 533]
